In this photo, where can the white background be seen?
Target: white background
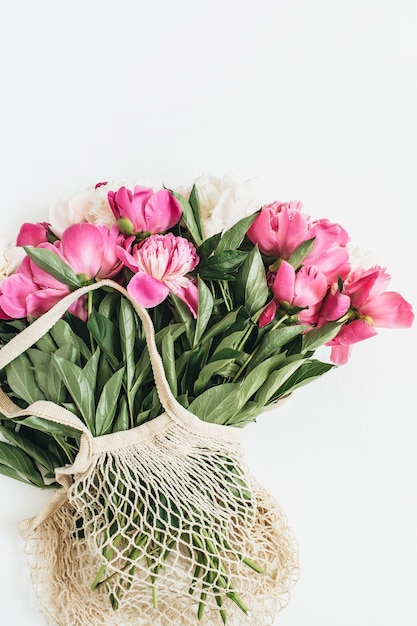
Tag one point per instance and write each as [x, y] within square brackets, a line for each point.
[314, 99]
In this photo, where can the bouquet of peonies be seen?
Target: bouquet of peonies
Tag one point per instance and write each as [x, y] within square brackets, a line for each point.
[136, 327]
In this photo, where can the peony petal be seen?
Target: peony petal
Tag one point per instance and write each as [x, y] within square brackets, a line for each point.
[82, 248]
[39, 302]
[146, 290]
[161, 212]
[189, 295]
[127, 259]
[355, 331]
[310, 287]
[42, 278]
[335, 306]
[32, 234]
[284, 281]
[389, 310]
[14, 292]
[268, 314]
[339, 355]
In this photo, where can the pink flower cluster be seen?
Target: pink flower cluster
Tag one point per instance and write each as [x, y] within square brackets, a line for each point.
[324, 286]
[93, 251]
[308, 261]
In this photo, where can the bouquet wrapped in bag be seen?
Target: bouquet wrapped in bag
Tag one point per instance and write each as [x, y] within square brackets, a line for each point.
[140, 332]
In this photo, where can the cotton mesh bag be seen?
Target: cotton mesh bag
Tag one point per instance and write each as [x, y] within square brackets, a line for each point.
[158, 525]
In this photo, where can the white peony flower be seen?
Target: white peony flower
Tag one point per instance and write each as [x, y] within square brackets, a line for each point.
[10, 258]
[90, 205]
[360, 258]
[224, 201]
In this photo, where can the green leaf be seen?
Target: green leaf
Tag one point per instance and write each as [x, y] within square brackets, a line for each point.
[252, 279]
[310, 370]
[63, 334]
[319, 336]
[190, 218]
[127, 328]
[183, 313]
[274, 340]
[51, 263]
[107, 336]
[274, 383]
[175, 330]
[79, 385]
[205, 309]
[46, 344]
[21, 380]
[168, 359]
[143, 417]
[221, 266]
[40, 365]
[246, 415]
[222, 325]
[208, 246]
[256, 378]
[301, 252]
[232, 238]
[215, 368]
[107, 404]
[227, 353]
[217, 404]
[20, 464]
[34, 452]
[195, 205]
[50, 428]
[104, 373]
[108, 306]
[122, 419]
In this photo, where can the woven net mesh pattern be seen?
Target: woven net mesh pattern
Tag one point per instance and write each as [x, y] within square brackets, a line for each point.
[160, 526]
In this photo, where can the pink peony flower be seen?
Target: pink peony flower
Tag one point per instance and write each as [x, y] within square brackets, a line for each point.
[161, 263]
[329, 254]
[91, 251]
[24, 295]
[279, 228]
[143, 210]
[305, 288]
[372, 307]
[301, 289]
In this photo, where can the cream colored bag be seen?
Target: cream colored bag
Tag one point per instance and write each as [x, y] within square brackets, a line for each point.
[159, 519]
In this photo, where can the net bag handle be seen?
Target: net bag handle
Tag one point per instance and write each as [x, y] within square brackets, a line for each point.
[33, 333]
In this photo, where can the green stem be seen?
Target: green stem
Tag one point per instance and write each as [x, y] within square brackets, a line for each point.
[96, 583]
[89, 311]
[226, 295]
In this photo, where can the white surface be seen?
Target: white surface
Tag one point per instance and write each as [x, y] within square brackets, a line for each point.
[317, 101]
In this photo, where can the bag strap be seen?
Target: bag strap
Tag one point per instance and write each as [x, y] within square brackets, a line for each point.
[30, 335]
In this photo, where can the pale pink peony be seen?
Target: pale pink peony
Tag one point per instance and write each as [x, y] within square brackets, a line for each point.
[10, 258]
[161, 263]
[90, 205]
[143, 210]
[224, 201]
